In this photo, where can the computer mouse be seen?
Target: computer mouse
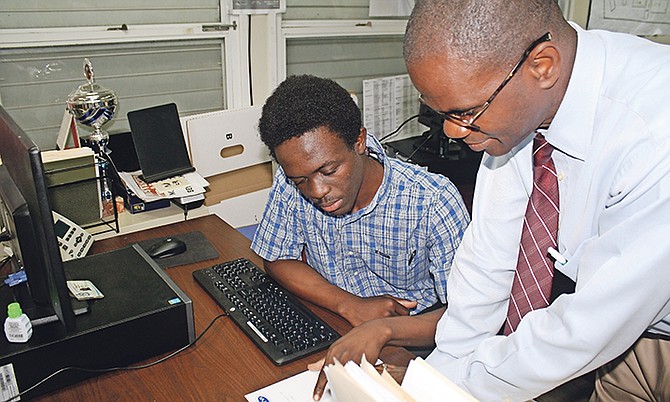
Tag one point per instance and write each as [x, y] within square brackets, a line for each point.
[167, 248]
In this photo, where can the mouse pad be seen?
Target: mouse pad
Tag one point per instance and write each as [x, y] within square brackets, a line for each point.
[198, 248]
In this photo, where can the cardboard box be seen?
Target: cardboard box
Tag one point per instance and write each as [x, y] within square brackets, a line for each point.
[225, 140]
[74, 186]
[226, 149]
[244, 210]
[238, 182]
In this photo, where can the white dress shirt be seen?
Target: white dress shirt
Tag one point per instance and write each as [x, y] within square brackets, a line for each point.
[611, 136]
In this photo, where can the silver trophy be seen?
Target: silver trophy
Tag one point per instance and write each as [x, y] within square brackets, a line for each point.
[93, 105]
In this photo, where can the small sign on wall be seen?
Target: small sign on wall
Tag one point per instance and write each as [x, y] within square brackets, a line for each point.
[634, 17]
[391, 8]
[258, 6]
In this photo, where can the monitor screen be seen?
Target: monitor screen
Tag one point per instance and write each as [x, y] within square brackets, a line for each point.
[17, 230]
[46, 277]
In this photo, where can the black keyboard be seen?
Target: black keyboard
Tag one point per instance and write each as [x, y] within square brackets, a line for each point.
[282, 327]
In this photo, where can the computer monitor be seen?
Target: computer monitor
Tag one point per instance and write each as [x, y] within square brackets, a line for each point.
[434, 140]
[17, 230]
[40, 256]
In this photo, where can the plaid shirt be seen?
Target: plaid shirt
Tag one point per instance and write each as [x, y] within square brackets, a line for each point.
[401, 244]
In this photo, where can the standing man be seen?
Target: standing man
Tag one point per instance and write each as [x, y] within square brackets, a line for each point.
[564, 268]
[500, 72]
[345, 227]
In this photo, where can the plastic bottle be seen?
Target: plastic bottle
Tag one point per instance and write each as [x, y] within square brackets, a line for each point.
[17, 325]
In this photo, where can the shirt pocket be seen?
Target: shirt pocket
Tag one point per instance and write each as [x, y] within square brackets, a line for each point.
[391, 268]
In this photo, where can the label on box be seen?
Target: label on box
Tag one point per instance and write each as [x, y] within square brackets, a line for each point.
[84, 290]
[9, 389]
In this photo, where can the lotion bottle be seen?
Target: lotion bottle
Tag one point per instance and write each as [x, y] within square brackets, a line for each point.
[18, 328]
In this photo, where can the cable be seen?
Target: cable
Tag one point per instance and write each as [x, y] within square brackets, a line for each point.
[5, 261]
[121, 368]
[251, 90]
[5, 235]
[409, 158]
[392, 133]
[2, 266]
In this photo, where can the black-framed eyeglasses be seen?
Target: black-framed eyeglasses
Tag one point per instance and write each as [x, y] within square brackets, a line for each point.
[467, 118]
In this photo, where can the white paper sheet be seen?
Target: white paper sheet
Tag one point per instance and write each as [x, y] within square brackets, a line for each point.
[387, 103]
[298, 388]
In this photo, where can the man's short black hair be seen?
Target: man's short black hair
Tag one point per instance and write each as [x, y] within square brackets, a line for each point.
[303, 103]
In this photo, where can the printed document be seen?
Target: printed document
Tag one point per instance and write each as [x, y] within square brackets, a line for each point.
[298, 388]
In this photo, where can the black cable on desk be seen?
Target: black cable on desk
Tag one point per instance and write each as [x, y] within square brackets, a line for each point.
[428, 137]
[2, 265]
[392, 133]
[5, 261]
[5, 235]
[121, 368]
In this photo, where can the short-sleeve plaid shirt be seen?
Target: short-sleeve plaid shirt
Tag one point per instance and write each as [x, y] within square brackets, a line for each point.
[401, 244]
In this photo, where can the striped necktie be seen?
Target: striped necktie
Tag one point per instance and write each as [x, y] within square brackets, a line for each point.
[535, 269]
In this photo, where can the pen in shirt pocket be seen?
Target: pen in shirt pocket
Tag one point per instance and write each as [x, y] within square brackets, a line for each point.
[411, 257]
[558, 257]
[382, 254]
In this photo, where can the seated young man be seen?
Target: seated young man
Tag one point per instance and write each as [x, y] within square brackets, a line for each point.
[346, 227]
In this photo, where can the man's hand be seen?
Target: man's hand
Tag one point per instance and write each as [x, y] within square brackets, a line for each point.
[370, 337]
[367, 339]
[306, 283]
[363, 309]
[396, 372]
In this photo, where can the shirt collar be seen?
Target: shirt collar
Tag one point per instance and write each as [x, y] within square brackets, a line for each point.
[376, 151]
[375, 148]
[576, 114]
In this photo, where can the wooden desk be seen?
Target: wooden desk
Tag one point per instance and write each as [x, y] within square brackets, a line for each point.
[224, 365]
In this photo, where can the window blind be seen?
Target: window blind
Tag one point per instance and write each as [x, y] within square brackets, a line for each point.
[68, 13]
[347, 60]
[35, 82]
[326, 9]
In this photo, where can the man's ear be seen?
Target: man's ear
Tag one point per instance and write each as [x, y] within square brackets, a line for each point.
[545, 64]
[361, 142]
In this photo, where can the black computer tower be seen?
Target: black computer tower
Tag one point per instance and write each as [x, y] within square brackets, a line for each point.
[143, 314]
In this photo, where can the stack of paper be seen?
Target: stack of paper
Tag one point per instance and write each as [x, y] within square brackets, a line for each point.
[185, 188]
[353, 383]
[422, 383]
